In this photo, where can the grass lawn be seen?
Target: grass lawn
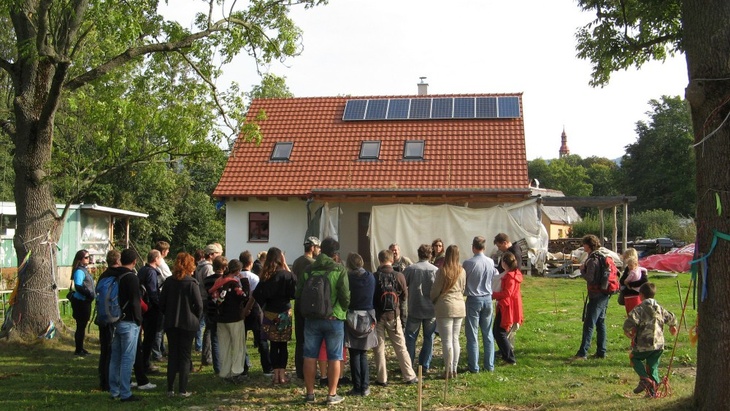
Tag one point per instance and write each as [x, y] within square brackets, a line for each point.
[46, 375]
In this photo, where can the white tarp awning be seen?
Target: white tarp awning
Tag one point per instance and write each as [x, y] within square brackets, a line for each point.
[413, 225]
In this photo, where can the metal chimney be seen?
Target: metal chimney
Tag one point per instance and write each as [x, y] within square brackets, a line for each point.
[422, 87]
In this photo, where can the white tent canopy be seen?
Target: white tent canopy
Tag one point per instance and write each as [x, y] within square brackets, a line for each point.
[413, 225]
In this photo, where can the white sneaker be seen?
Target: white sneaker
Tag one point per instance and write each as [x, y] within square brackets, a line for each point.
[148, 386]
[133, 385]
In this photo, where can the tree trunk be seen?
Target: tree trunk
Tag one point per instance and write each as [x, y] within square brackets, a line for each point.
[706, 34]
[38, 224]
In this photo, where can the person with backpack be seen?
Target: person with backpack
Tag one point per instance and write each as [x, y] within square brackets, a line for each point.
[390, 298]
[311, 251]
[148, 276]
[106, 331]
[593, 271]
[220, 264]
[81, 294]
[126, 328]
[204, 268]
[182, 305]
[323, 293]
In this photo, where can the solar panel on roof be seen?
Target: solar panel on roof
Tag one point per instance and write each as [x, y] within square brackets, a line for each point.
[355, 110]
[486, 107]
[464, 107]
[442, 108]
[376, 110]
[398, 108]
[420, 108]
[509, 107]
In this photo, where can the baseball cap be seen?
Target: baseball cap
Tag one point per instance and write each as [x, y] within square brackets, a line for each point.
[312, 241]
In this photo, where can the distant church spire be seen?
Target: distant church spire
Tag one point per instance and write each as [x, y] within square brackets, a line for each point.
[564, 150]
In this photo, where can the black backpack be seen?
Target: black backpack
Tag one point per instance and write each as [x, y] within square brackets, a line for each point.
[315, 300]
[389, 291]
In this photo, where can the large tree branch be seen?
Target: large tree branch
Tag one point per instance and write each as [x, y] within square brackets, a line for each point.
[142, 158]
[54, 93]
[631, 44]
[7, 66]
[71, 24]
[134, 52]
[42, 33]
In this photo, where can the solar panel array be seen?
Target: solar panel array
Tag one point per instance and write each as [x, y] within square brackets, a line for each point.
[432, 108]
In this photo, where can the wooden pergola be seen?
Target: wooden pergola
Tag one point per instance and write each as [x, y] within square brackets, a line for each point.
[601, 203]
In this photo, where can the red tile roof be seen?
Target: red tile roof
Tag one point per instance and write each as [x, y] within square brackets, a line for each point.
[484, 157]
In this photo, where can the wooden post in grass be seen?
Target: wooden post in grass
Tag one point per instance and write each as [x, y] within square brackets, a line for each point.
[446, 381]
[679, 292]
[420, 387]
[555, 298]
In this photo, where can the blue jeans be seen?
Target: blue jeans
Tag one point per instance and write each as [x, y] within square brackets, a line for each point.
[331, 331]
[124, 350]
[199, 334]
[413, 327]
[359, 370]
[595, 318]
[211, 328]
[479, 318]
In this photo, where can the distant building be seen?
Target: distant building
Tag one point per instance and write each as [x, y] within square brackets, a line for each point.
[87, 226]
[564, 150]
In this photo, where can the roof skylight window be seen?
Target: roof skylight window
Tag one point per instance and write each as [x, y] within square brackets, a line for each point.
[370, 150]
[413, 150]
[282, 151]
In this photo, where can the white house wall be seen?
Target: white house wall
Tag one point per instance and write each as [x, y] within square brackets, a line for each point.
[287, 227]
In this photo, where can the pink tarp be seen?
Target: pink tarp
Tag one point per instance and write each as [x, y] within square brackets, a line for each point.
[676, 260]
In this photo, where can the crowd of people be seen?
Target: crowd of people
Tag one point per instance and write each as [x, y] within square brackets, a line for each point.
[341, 309]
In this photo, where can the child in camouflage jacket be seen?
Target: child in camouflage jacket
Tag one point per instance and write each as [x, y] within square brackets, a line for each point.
[645, 326]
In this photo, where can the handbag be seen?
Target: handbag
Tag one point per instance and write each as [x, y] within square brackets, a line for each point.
[622, 296]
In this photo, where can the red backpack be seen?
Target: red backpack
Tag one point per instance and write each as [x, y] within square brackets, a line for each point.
[606, 280]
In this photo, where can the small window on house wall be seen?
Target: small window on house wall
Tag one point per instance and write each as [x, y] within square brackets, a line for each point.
[413, 150]
[370, 150]
[282, 151]
[258, 227]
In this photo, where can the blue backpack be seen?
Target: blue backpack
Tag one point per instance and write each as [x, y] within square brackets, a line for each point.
[108, 311]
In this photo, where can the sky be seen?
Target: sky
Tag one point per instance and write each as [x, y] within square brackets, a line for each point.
[383, 47]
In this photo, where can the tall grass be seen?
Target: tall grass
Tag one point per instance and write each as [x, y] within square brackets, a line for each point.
[45, 374]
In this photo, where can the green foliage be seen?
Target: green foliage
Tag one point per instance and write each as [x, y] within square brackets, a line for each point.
[590, 224]
[643, 224]
[659, 168]
[628, 33]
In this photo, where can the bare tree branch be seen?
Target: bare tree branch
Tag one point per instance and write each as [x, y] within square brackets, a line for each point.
[213, 88]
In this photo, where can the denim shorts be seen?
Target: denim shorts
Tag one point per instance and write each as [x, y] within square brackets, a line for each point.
[330, 331]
